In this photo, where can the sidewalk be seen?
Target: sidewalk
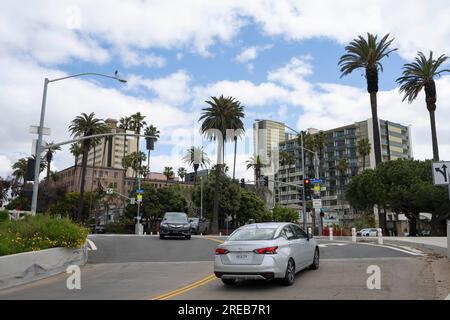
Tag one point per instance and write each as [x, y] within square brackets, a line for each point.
[435, 244]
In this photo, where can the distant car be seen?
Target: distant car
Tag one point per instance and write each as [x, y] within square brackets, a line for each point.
[265, 251]
[199, 225]
[98, 229]
[369, 232]
[175, 224]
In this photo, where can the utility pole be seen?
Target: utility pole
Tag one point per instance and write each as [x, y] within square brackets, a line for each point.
[201, 198]
[303, 193]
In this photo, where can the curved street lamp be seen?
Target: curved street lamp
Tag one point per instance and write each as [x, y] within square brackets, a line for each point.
[41, 128]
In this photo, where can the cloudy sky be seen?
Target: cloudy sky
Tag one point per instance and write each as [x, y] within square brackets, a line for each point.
[279, 58]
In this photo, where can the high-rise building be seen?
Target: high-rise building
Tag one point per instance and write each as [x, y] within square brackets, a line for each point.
[267, 136]
[341, 143]
[109, 152]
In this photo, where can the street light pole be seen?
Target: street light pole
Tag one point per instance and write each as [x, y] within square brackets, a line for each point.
[37, 163]
[303, 193]
[201, 197]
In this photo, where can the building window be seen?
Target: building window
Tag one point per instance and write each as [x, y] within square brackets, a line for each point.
[116, 174]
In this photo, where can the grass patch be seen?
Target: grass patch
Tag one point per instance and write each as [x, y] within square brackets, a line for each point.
[40, 232]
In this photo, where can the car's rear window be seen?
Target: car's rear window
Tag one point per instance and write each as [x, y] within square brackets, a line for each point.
[176, 216]
[252, 234]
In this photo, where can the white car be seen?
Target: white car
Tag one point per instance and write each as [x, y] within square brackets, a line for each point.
[265, 251]
[370, 232]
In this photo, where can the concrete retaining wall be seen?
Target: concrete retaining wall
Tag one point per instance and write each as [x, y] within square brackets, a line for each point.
[30, 266]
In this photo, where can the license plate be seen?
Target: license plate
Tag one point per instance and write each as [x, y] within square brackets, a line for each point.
[241, 256]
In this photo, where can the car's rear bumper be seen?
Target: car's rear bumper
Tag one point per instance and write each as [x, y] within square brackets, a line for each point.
[268, 269]
[174, 232]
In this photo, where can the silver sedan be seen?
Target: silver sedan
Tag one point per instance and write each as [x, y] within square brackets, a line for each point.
[265, 251]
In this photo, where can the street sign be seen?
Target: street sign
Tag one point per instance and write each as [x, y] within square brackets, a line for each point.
[317, 187]
[109, 190]
[139, 191]
[318, 180]
[34, 144]
[441, 173]
[132, 200]
[35, 130]
[317, 203]
[139, 198]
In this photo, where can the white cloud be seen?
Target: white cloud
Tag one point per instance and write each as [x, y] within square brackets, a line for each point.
[135, 58]
[53, 32]
[20, 101]
[251, 53]
[173, 89]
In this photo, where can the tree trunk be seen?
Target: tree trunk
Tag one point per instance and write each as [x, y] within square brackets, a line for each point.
[83, 180]
[48, 168]
[364, 162]
[234, 162]
[215, 222]
[434, 136]
[376, 128]
[148, 161]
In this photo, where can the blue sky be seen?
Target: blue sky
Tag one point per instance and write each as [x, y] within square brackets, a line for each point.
[279, 58]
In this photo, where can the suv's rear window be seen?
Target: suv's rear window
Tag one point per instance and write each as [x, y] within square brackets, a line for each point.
[252, 234]
[176, 216]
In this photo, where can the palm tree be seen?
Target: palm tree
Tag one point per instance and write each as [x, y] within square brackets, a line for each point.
[20, 169]
[182, 173]
[137, 124]
[21, 165]
[367, 54]
[364, 150]
[82, 126]
[320, 142]
[420, 75]
[196, 157]
[76, 149]
[151, 131]
[168, 172]
[49, 157]
[125, 124]
[257, 165]
[342, 168]
[222, 114]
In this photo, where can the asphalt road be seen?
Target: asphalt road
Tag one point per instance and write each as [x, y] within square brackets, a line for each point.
[145, 267]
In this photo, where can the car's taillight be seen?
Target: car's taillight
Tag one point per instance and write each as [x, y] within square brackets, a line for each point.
[269, 250]
[221, 251]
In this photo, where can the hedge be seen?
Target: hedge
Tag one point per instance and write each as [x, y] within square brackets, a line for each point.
[40, 232]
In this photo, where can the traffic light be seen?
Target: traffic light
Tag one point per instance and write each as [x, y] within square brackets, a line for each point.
[29, 174]
[266, 181]
[307, 187]
[242, 183]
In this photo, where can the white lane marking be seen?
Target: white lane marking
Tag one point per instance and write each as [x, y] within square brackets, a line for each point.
[394, 248]
[91, 244]
[324, 245]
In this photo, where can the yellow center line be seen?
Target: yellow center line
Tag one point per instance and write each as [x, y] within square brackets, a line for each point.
[184, 289]
[191, 286]
[213, 239]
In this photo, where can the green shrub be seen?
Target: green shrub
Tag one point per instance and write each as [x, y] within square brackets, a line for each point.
[117, 227]
[40, 232]
[4, 215]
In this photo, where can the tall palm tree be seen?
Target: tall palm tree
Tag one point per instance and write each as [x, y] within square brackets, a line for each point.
[82, 126]
[342, 168]
[320, 142]
[364, 150]
[137, 124]
[420, 75]
[76, 149]
[20, 168]
[151, 131]
[196, 157]
[221, 114]
[125, 124]
[49, 157]
[257, 165]
[182, 173]
[168, 172]
[367, 54]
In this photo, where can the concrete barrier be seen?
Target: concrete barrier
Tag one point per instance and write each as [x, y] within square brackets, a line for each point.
[25, 267]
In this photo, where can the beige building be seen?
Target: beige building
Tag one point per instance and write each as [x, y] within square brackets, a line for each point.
[109, 152]
[267, 136]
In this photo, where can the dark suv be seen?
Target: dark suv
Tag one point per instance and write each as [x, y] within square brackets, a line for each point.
[175, 224]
